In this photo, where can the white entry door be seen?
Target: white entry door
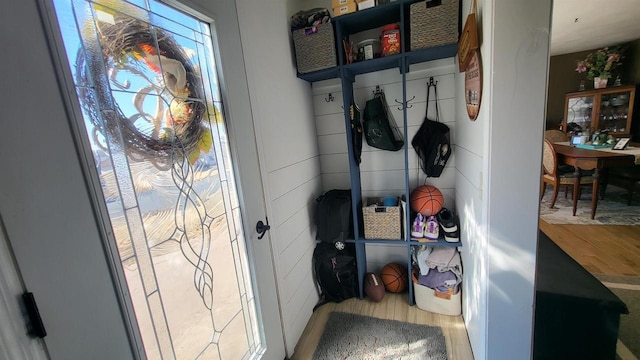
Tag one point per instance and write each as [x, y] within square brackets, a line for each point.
[158, 104]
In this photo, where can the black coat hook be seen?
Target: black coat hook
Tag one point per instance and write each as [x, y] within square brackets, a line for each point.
[378, 91]
[405, 104]
[431, 82]
[329, 98]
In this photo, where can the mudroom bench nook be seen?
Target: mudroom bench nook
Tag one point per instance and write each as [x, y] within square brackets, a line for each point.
[350, 27]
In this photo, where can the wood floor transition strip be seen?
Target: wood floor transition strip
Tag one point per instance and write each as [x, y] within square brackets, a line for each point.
[611, 285]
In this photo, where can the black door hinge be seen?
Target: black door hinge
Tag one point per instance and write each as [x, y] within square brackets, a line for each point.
[35, 326]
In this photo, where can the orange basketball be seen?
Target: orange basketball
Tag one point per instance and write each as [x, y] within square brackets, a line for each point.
[394, 277]
[427, 200]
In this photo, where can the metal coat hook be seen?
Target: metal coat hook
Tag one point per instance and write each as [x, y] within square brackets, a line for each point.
[329, 98]
[404, 105]
[377, 91]
[431, 82]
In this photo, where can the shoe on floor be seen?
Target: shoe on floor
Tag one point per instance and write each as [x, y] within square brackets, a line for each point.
[447, 219]
[431, 228]
[417, 229]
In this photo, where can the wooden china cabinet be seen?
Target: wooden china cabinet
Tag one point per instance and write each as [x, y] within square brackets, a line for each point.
[609, 109]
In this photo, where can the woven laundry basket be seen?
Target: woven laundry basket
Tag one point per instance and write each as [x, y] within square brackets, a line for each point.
[435, 25]
[315, 48]
[381, 222]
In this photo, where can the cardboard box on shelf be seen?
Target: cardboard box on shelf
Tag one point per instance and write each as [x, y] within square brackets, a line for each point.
[339, 3]
[365, 4]
[345, 9]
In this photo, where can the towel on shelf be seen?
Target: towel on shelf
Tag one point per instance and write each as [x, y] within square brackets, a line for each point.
[445, 258]
[420, 257]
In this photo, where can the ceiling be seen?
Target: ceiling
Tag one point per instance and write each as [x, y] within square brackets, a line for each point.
[599, 23]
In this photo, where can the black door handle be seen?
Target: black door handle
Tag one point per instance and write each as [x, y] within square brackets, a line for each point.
[261, 228]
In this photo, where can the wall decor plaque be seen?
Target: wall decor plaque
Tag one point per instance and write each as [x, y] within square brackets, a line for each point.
[473, 85]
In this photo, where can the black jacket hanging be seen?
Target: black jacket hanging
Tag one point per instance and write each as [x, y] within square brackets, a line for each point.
[356, 132]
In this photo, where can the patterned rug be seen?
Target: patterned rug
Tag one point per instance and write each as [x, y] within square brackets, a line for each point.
[612, 210]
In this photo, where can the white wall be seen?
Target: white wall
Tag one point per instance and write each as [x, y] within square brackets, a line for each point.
[519, 69]
[382, 172]
[282, 108]
[470, 177]
[499, 175]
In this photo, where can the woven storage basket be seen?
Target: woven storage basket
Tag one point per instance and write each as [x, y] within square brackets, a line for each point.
[433, 26]
[315, 51]
[382, 222]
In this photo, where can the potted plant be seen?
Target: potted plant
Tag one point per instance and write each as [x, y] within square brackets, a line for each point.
[600, 64]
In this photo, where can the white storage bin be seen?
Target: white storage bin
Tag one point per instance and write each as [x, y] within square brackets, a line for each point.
[426, 299]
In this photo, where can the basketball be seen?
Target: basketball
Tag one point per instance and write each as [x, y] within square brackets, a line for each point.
[394, 277]
[427, 200]
[373, 287]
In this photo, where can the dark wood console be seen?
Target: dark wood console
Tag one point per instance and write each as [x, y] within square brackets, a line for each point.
[576, 316]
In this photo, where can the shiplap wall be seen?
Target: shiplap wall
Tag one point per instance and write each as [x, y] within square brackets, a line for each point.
[497, 168]
[382, 172]
[286, 137]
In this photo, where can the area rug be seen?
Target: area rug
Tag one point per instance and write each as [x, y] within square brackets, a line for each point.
[627, 288]
[612, 210]
[356, 337]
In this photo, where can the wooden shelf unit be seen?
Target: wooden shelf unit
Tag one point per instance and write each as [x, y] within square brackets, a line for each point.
[345, 26]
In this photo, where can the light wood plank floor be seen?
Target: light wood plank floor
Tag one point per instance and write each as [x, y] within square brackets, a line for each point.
[601, 249]
[393, 307]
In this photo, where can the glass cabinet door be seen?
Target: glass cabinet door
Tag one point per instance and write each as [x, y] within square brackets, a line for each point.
[579, 112]
[614, 112]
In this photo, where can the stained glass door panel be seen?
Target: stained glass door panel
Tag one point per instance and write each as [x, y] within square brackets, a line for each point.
[146, 78]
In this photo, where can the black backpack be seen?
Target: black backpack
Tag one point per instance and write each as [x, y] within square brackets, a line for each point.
[334, 219]
[431, 142]
[380, 129]
[335, 273]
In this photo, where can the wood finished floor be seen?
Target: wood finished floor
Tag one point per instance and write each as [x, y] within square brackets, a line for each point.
[601, 249]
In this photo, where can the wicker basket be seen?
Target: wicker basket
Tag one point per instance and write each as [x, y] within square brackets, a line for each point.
[433, 26]
[315, 50]
[382, 222]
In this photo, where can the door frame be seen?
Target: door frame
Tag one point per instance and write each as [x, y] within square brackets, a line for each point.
[235, 99]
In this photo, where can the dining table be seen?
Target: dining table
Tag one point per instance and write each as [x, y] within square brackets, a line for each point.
[598, 160]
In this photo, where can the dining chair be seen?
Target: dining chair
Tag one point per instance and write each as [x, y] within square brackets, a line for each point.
[625, 177]
[555, 136]
[551, 174]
